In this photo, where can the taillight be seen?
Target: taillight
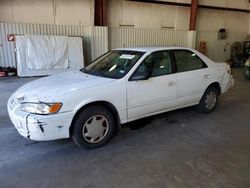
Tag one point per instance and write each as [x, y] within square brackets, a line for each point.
[229, 70]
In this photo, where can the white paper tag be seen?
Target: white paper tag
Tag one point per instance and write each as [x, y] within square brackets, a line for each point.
[122, 71]
[126, 56]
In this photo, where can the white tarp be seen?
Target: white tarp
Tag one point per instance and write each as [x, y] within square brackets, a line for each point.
[39, 55]
[47, 52]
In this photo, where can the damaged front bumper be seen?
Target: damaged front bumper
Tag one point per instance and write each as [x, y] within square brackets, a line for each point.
[39, 127]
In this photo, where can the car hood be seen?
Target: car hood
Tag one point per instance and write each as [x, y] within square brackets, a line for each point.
[47, 89]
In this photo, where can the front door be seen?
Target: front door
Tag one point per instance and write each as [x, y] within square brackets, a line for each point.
[155, 93]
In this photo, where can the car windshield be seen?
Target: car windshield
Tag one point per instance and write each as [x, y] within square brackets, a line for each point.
[114, 64]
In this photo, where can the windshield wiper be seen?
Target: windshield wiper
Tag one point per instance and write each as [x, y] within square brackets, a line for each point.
[96, 73]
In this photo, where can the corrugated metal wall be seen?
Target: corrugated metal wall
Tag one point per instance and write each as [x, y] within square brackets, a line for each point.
[218, 50]
[98, 40]
[125, 37]
[95, 39]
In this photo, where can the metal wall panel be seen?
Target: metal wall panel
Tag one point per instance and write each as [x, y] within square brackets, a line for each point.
[95, 39]
[125, 37]
[218, 50]
[98, 40]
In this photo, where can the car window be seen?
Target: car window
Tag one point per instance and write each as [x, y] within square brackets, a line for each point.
[114, 64]
[187, 61]
[156, 64]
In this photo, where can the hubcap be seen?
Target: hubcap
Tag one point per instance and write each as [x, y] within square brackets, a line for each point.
[95, 129]
[210, 100]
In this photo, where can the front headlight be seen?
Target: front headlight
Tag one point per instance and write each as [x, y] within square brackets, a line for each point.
[41, 108]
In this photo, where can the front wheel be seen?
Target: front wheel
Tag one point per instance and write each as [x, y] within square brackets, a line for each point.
[93, 127]
[209, 100]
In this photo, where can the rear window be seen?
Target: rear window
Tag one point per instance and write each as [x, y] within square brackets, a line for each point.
[187, 61]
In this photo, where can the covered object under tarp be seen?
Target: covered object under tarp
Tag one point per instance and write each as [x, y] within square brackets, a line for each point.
[40, 55]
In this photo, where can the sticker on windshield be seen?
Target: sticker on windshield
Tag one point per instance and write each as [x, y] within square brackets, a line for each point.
[122, 71]
[127, 56]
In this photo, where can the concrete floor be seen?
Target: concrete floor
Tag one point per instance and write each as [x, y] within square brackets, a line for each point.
[178, 149]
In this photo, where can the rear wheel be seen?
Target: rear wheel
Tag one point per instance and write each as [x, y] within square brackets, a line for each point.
[209, 100]
[93, 127]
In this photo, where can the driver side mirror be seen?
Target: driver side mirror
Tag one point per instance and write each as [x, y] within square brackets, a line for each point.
[139, 76]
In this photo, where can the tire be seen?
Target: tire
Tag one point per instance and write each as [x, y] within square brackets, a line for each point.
[93, 127]
[209, 101]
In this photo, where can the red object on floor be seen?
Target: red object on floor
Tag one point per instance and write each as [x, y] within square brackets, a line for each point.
[2, 74]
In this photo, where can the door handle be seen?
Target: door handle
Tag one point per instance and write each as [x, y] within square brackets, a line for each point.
[207, 76]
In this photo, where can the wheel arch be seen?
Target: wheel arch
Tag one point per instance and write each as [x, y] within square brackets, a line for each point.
[217, 86]
[109, 106]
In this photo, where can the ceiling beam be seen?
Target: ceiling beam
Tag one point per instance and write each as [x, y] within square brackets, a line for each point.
[189, 5]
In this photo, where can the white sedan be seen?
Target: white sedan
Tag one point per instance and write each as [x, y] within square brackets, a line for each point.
[122, 85]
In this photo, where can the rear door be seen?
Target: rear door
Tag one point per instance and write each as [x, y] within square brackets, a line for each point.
[192, 76]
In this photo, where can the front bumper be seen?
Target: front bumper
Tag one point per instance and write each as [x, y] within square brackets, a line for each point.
[39, 127]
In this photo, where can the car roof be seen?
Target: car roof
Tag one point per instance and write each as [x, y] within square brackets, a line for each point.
[152, 48]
